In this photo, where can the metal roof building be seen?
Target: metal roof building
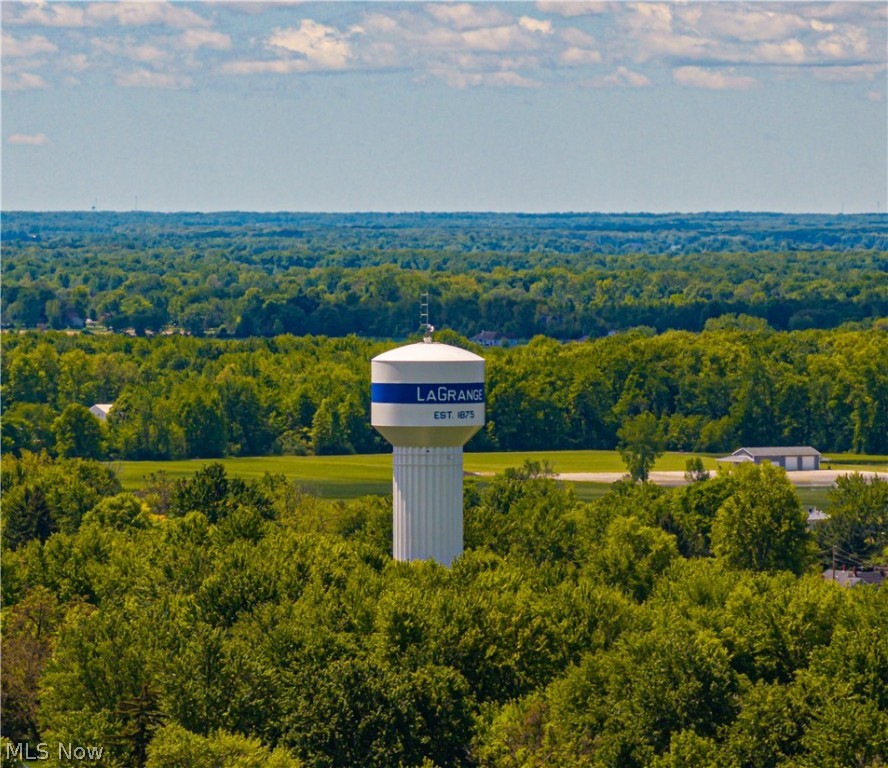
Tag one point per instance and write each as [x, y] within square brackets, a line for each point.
[791, 458]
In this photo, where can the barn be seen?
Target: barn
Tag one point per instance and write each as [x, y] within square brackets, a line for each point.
[101, 410]
[791, 458]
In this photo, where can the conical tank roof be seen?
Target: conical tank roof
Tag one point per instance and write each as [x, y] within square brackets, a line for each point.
[428, 352]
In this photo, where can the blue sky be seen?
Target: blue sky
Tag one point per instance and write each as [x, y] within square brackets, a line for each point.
[445, 106]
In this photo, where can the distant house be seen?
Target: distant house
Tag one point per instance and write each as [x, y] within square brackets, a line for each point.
[790, 458]
[489, 339]
[101, 410]
[816, 516]
[854, 577]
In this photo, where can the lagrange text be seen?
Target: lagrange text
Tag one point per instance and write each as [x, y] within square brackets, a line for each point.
[449, 395]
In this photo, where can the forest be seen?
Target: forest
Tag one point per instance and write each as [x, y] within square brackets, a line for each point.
[568, 277]
[185, 397]
[219, 623]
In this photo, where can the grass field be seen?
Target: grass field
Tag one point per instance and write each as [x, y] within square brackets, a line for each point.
[344, 477]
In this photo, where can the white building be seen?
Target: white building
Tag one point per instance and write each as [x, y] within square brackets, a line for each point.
[101, 410]
[792, 459]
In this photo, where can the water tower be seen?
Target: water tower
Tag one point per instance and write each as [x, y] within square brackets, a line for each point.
[427, 400]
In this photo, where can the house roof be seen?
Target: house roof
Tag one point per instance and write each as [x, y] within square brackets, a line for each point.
[850, 578]
[104, 407]
[782, 450]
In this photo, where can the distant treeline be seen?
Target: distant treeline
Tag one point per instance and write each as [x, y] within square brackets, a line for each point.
[567, 276]
[515, 233]
[179, 397]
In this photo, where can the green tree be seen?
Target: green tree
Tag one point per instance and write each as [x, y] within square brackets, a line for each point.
[101, 665]
[695, 472]
[858, 520]
[633, 555]
[28, 427]
[762, 525]
[121, 512]
[27, 515]
[206, 491]
[173, 747]
[526, 514]
[689, 512]
[327, 432]
[28, 629]
[78, 433]
[203, 423]
[356, 711]
[31, 374]
[641, 444]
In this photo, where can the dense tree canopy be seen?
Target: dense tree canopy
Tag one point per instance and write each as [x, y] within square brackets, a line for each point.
[236, 623]
[567, 276]
[216, 621]
[179, 397]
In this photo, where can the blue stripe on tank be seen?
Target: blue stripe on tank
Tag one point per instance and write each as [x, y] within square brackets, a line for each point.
[421, 394]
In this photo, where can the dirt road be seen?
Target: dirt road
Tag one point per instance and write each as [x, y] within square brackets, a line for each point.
[821, 478]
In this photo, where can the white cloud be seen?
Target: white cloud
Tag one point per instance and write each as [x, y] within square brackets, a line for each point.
[145, 78]
[14, 47]
[42, 13]
[205, 38]
[578, 57]
[852, 43]
[483, 62]
[466, 44]
[648, 17]
[649, 33]
[323, 46]
[877, 96]
[459, 79]
[29, 139]
[571, 10]
[787, 52]
[468, 15]
[145, 13]
[620, 78]
[380, 23]
[128, 48]
[746, 23]
[508, 38]
[535, 25]
[785, 34]
[853, 13]
[76, 62]
[699, 77]
[819, 26]
[268, 67]
[22, 81]
[578, 38]
[851, 74]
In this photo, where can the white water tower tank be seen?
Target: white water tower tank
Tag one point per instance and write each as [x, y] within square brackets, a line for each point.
[427, 400]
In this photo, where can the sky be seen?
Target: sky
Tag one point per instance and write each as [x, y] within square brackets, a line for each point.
[416, 106]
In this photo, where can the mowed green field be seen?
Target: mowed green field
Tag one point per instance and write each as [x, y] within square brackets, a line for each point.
[344, 477]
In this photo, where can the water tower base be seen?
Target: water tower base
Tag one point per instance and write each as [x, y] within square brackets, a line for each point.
[428, 511]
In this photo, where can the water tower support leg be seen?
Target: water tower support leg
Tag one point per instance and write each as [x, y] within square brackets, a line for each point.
[428, 503]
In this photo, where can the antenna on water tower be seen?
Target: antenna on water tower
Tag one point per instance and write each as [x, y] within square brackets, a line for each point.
[427, 330]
